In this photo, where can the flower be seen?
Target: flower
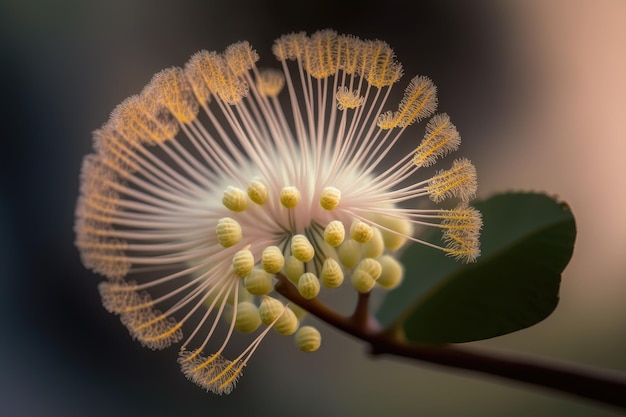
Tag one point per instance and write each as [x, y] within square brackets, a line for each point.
[212, 181]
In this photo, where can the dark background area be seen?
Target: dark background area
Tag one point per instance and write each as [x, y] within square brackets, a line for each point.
[67, 64]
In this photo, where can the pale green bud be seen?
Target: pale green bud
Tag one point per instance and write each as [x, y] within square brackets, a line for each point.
[375, 246]
[293, 268]
[392, 272]
[258, 282]
[308, 339]
[349, 253]
[248, 319]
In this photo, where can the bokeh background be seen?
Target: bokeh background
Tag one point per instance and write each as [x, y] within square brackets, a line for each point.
[537, 89]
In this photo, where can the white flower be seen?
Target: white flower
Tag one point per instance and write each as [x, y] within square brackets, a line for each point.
[210, 182]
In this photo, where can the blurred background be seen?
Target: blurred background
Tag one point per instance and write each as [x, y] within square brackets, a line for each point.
[537, 89]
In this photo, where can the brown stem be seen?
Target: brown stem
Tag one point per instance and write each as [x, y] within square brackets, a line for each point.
[587, 383]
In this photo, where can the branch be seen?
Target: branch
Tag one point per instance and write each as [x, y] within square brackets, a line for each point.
[588, 383]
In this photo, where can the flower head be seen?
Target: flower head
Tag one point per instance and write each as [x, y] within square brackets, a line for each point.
[213, 180]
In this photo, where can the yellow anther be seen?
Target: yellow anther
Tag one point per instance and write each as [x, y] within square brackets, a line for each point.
[419, 102]
[152, 328]
[215, 373]
[248, 319]
[228, 232]
[235, 199]
[308, 339]
[301, 248]
[347, 99]
[243, 262]
[392, 272]
[208, 72]
[462, 232]
[321, 54]
[291, 46]
[308, 285]
[198, 71]
[349, 53]
[289, 197]
[257, 191]
[270, 82]
[440, 139]
[334, 233]
[361, 232]
[332, 274]
[330, 198]
[462, 245]
[374, 247]
[135, 119]
[293, 268]
[171, 89]
[240, 57]
[349, 253]
[387, 120]
[258, 282]
[271, 308]
[458, 181]
[272, 259]
[378, 64]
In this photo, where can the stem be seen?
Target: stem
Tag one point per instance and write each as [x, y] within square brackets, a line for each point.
[583, 382]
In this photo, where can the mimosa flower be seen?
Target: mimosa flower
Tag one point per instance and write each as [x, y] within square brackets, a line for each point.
[212, 181]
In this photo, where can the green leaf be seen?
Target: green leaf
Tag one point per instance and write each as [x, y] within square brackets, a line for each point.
[526, 242]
